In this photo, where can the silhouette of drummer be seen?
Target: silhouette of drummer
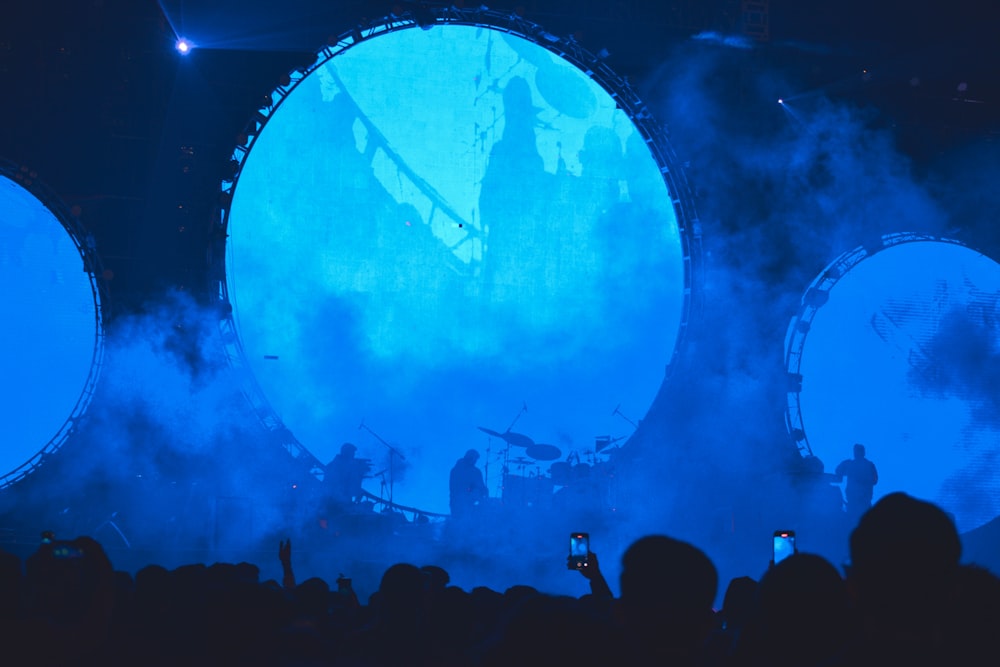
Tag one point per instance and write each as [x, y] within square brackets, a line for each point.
[344, 475]
[465, 485]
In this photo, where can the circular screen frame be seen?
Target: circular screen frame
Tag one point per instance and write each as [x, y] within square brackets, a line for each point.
[943, 409]
[28, 180]
[567, 49]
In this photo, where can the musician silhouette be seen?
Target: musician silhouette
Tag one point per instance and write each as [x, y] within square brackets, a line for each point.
[344, 475]
[511, 199]
[466, 485]
[862, 476]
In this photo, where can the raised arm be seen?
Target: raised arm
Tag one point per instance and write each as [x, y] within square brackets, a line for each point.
[285, 556]
[598, 584]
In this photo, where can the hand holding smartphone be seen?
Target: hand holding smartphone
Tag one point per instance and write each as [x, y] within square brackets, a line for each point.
[579, 550]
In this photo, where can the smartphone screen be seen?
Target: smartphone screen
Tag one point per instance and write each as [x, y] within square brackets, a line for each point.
[579, 549]
[783, 545]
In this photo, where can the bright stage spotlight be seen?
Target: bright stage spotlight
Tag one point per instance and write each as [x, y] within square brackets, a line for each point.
[789, 110]
[901, 355]
[183, 46]
[53, 340]
[480, 226]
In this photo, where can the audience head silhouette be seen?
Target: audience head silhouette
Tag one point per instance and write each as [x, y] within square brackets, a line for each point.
[667, 591]
[904, 555]
[804, 607]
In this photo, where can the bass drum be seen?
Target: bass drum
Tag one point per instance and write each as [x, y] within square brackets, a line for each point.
[521, 491]
[564, 474]
[561, 473]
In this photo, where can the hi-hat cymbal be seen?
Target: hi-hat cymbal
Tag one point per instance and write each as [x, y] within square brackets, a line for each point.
[521, 460]
[544, 452]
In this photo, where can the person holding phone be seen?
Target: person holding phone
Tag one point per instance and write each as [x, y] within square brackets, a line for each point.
[584, 561]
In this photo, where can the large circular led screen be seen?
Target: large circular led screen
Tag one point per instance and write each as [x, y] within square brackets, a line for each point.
[444, 232]
[50, 335]
[904, 358]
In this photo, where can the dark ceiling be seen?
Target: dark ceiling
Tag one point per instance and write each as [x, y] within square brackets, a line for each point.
[99, 104]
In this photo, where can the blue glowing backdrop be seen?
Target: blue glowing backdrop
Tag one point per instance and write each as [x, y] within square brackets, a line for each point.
[896, 352]
[447, 229]
[53, 340]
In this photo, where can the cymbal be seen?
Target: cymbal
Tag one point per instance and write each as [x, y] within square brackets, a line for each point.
[521, 460]
[517, 439]
[544, 452]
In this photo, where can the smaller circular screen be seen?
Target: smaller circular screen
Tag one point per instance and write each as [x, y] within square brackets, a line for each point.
[904, 359]
[49, 335]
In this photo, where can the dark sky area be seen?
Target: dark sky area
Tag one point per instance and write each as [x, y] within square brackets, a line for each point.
[98, 103]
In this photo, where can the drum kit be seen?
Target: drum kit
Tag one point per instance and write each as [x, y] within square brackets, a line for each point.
[572, 475]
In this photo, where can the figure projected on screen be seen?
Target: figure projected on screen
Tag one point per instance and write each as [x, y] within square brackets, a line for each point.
[343, 478]
[466, 487]
[861, 479]
[515, 219]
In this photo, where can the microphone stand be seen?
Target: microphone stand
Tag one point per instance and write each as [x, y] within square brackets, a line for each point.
[619, 413]
[506, 451]
[524, 408]
[381, 487]
[393, 452]
[486, 466]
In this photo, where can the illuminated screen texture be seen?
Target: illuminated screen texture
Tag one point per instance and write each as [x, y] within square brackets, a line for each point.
[903, 359]
[50, 332]
[436, 229]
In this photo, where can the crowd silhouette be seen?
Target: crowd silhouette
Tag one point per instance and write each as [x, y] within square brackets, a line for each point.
[905, 598]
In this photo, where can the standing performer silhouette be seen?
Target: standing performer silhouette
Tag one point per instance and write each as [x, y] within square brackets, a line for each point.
[862, 476]
[465, 485]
